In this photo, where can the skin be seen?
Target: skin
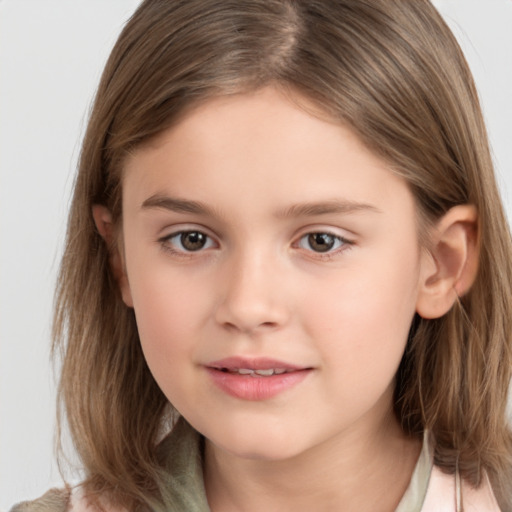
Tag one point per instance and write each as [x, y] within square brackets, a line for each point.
[259, 288]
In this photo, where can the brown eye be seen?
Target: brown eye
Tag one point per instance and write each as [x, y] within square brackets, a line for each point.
[183, 242]
[321, 242]
[193, 240]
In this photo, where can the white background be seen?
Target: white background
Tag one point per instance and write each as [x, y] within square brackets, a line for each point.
[51, 56]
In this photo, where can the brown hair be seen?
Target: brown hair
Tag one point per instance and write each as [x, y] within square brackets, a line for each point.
[393, 72]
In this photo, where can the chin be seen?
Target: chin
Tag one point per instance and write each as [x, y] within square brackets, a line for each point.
[260, 435]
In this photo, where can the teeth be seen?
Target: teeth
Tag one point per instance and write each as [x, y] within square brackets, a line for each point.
[262, 373]
[265, 373]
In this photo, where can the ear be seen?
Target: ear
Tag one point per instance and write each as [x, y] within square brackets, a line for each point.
[103, 220]
[449, 268]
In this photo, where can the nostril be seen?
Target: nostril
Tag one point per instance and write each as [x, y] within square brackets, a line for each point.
[248, 329]
[230, 326]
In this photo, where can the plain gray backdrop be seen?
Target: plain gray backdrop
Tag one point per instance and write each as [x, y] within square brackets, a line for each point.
[51, 56]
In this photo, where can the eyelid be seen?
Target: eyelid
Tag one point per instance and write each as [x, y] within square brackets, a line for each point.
[347, 241]
[164, 240]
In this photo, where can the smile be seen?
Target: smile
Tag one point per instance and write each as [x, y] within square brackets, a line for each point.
[255, 379]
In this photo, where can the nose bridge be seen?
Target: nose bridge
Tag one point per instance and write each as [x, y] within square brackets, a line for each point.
[253, 295]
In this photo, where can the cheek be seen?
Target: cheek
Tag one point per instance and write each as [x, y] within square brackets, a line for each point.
[361, 320]
[169, 310]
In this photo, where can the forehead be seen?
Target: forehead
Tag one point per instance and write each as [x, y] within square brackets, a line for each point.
[263, 147]
[241, 106]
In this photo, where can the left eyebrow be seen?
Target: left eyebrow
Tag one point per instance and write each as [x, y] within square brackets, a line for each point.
[326, 207]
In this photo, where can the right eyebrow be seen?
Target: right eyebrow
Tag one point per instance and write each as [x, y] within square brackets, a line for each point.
[177, 205]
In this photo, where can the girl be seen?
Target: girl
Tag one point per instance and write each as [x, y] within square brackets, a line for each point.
[286, 280]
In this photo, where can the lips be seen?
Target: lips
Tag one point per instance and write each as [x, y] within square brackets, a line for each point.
[255, 379]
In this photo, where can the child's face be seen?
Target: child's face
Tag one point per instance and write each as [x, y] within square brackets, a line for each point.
[257, 236]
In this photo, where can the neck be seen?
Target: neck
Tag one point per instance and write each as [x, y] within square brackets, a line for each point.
[361, 470]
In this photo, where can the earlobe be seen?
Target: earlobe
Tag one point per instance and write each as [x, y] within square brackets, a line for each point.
[105, 226]
[449, 268]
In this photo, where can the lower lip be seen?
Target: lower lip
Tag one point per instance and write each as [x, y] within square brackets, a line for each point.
[256, 388]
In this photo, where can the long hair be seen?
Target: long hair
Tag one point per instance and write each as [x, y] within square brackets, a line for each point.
[392, 71]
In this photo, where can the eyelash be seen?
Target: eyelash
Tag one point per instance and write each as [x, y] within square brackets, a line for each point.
[343, 244]
[166, 243]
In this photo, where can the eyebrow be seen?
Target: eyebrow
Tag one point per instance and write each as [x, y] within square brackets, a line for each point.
[310, 209]
[177, 205]
[335, 206]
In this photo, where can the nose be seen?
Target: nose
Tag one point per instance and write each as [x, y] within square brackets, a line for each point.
[253, 297]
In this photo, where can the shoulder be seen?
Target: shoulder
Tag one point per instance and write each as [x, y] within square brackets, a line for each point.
[62, 500]
[446, 494]
[55, 500]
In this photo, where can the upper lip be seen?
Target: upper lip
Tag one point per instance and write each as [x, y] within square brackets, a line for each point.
[257, 363]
